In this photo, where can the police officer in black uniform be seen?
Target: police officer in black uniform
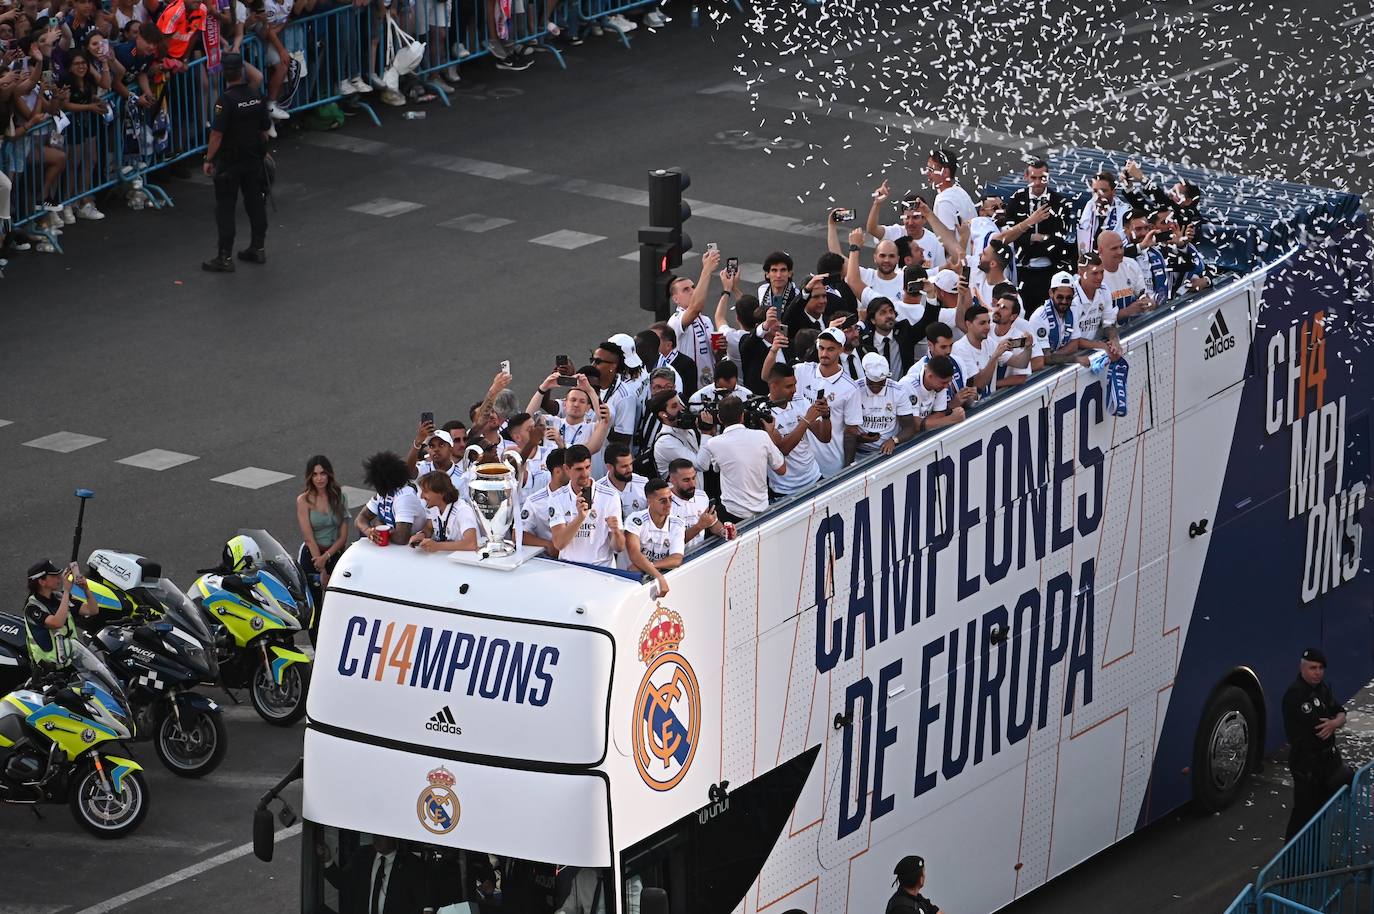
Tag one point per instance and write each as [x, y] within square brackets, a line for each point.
[1311, 717]
[234, 158]
[911, 878]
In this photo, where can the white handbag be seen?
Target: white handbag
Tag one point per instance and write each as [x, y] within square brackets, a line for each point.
[404, 53]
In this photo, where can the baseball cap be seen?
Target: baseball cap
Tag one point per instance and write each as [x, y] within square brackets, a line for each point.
[1314, 655]
[39, 569]
[1062, 278]
[627, 347]
[232, 64]
[908, 870]
[876, 367]
[834, 334]
[442, 436]
[946, 281]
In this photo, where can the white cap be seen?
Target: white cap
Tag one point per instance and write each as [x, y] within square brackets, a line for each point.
[1062, 278]
[441, 435]
[627, 347]
[876, 367]
[834, 334]
[946, 281]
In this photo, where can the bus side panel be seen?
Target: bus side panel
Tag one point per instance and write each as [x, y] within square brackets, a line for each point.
[1286, 572]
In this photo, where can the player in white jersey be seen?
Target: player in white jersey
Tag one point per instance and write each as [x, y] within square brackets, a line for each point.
[451, 523]
[1093, 311]
[800, 424]
[691, 505]
[1122, 277]
[976, 349]
[931, 404]
[826, 378]
[953, 206]
[585, 519]
[878, 417]
[621, 479]
[655, 538]
[689, 320]
[534, 511]
[1013, 366]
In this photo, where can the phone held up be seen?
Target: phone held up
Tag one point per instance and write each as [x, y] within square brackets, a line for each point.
[842, 215]
[505, 366]
[427, 418]
[731, 265]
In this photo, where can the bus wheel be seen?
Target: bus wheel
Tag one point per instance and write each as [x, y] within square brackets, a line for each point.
[1224, 748]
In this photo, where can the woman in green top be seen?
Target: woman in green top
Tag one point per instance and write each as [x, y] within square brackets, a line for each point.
[321, 515]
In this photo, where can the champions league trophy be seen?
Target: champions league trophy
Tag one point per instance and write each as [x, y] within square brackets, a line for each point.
[494, 492]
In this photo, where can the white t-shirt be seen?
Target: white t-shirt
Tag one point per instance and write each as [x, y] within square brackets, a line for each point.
[626, 400]
[674, 444]
[534, 511]
[1125, 284]
[657, 543]
[576, 433]
[1091, 315]
[400, 507]
[922, 401]
[976, 357]
[963, 372]
[981, 230]
[877, 412]
[888, 288]
[1040, 321]
[838, 389]
[694, 341]
[592, 543]
[455, 471]
[1018, 327]
[928, 244]
[452, 521]
[801, 461]
[743, 456]
[689, 512]
[954, 207]
[632, 498]
[732, 337]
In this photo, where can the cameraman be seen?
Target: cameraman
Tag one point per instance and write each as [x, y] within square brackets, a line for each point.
[743, 456]
[725, 383]
[799, 423]
[677, 438]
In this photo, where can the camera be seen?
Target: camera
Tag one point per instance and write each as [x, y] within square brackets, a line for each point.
[842, 215]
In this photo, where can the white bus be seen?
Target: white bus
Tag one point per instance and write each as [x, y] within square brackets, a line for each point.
[1006, 647]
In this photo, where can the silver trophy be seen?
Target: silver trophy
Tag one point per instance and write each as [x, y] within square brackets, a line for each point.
[494, 493]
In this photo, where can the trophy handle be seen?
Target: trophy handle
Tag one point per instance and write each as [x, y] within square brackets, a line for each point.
[514, 459]
[472, 453]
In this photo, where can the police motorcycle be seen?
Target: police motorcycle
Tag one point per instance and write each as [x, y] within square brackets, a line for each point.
[53, 736]
[255, 601]
[160, 649]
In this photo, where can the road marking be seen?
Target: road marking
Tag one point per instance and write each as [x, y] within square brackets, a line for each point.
[1111, 97]
[1150, 26]
[567, 239]
[1365, 18]
[157, 459]
[136, 843]
[5, 422]
[893, 119]
[1363, 82]
[1365, 153]
[597, 189]
[11, 907]
[181, 875]
[252, 478]
[242, 780]
[386, 207]
[63, 442]
[355, 497]
[476, 222]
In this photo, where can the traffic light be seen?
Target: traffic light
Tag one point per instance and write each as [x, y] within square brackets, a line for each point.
[663, 242]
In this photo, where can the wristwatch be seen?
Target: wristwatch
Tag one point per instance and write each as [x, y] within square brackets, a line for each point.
[854, 248]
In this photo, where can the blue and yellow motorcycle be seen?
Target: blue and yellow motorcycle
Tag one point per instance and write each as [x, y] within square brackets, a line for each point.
[255, 602]
[53, 737]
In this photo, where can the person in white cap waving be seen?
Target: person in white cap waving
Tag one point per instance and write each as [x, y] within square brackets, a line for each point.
[879, 417]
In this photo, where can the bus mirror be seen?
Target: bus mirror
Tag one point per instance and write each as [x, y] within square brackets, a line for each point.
[262, 834]
[653, 901]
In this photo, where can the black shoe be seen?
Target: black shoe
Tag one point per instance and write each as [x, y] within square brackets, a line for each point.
[253, 255]
[514, 63]
[220, 264]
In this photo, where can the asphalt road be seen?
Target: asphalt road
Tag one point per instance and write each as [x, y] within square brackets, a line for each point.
[382, 299]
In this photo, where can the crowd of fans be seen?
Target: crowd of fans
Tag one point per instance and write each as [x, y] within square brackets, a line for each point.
[758, 395]
[63, 62]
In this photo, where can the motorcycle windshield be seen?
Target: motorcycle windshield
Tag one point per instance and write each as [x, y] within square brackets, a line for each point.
[279, 562]
[92, 670]
[179, 610]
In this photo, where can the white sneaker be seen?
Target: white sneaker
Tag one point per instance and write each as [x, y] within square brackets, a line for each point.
[655, 20]
[462, 51]
[346, 88]
[596, 30]
[451, 74]
[553, 29]
[87, 210]
[272, 131]
[45, 247]
[622, 23]
[393, 98]
[277, 112]
[360, 85]
[68, 217]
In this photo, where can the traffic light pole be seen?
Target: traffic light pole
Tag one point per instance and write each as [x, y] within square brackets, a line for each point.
[663, 242]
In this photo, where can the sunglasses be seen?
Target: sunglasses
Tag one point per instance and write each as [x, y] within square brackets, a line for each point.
[1062, 299]
[596, 361]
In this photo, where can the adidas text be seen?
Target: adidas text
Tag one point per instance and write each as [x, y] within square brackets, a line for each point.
[444, 722]
[1219, 338]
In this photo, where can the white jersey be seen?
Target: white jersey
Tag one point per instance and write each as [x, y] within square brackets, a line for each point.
[1092, 314]
[954, 207]
[1125, 284]
[876, 413]
[534, 512]
[695, 341]
[801, 462]
[963, 373]
[456, 473]
[657, 543]
[922, 401]
[974, 357]
[981, 230]
[930, 246]
[400, 507]
[626, 400]
[592, 544]
[1051, 331]
[1017, 328]
[451, 522]
[689, 511]
[889, 288]
[838, 389]
[632, 497]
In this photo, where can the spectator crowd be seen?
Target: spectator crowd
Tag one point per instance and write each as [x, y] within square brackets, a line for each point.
[95, 88]
[659, 441]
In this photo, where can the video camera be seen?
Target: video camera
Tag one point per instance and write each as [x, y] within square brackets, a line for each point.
[757, 412]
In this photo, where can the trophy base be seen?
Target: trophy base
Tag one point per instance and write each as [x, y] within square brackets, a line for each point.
[507, 561]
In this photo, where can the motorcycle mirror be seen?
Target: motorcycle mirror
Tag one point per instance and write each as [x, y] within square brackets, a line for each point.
[263, 836]
[250, 578]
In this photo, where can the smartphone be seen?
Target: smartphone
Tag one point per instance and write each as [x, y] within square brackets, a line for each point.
[712, 246]
[565, 380]
[732, 265]
[587, 497]
[964, 273]
[1018, 343]
[505, 365]
[843, 215]
[563, 364]
[914, 287]
[426, 418]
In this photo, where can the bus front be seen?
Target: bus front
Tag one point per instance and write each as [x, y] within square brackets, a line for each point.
[459, 712]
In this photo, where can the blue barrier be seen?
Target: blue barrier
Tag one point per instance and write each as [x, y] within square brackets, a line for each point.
[1244, 903]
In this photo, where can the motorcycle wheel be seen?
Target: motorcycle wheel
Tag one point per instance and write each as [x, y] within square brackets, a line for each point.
[196, 746]
[104, 814]
[279, 705]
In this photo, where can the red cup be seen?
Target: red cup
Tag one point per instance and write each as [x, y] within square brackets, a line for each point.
[383, 534]
[729, 530]
[717, 341]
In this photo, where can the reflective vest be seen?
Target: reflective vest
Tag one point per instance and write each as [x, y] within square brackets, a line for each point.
[47, 646]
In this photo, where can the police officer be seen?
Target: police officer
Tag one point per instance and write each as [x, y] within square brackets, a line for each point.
[47, 615]
[1311, 717]
[911, 878]
[238, 143]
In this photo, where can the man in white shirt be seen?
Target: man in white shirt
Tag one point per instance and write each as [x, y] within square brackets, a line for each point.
[993, 263]
[621, 477]
[584, 519]
[1056, 340]
[534, 511]
[689, 320]
[655, 539]
[953, 206]
[677, 438]
[691, 505]
[976, 348]
[953, 297]
[439, 446]
[396, 503]
[1094, 314]
[930, 398]
[825, 378]
[884, 277]
[1122, 277]
[940, 342]
[925, 244]
[627, 411]
[1013, 367]
[878, 417]
[725, 383]
[743, 457]
[799, 423]
[1104, 210]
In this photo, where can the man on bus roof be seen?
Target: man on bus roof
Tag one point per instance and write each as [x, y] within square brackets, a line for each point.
[911, 878]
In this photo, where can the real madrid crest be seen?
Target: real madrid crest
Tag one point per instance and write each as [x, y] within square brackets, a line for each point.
[667, 708]
[438, 808]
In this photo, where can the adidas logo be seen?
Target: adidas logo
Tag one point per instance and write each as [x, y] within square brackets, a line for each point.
[443, 722]
[1219, 338]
